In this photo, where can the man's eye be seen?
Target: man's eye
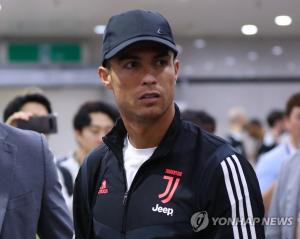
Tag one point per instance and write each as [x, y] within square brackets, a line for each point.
[130, 65]
[161, 62]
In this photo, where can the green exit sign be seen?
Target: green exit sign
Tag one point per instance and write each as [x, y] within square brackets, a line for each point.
[59, 52]
[23, 52]
[65, 52]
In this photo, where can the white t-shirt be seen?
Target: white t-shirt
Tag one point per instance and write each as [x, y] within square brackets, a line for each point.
[133, 159]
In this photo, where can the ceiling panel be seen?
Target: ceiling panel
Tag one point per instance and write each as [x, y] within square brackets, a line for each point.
[188, 18]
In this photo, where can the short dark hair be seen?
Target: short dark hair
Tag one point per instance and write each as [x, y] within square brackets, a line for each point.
[294, 101]
[200, 118]
[274, 116]
[255, 122]
[18, 102]
[82, 117]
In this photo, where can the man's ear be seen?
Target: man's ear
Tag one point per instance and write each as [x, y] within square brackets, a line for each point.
[105, 77]
[77, 134]
[176, 68]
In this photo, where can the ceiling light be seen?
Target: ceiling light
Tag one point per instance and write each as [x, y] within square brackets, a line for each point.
[99, 29]
[199, 43]
[277, 50]
[0, 7]
[283, 20]
[249, 29]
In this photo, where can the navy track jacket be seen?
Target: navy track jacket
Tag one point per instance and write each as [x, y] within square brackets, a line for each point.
[193, 186]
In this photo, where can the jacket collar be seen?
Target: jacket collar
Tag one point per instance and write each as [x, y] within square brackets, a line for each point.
[115, 139]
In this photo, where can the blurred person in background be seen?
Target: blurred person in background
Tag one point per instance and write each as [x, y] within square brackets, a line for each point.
[23, 107]
[285, 203]
[92, 121]
[31, 198]
[201, 118]
[264, 142]
[256, 132]
[270, 163]
[237, 128]
[273, 136]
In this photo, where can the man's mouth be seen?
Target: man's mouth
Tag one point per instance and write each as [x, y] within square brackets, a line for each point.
[149, 96]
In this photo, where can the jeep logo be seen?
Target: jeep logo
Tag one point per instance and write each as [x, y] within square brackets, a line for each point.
[165, 210]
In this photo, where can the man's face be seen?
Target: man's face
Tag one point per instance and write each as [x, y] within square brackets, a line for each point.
[142, 78]
[293, 123]
[243, 121]
[35, 108]
[91, 136]
[280, 125]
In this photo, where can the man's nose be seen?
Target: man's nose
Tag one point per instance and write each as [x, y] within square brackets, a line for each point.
[149, 78]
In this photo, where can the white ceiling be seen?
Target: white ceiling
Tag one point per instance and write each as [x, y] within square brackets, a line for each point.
[189, 18]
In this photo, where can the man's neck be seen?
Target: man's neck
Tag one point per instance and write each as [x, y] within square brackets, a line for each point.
[275, 133]
[149, 134]
[79, 155]
[295, 142]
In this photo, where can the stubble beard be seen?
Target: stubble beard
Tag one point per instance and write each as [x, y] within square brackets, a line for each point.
[150, 116]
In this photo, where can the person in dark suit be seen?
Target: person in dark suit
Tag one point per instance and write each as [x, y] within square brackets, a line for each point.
[30, 194]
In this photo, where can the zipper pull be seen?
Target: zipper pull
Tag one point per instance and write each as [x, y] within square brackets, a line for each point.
[125, 198]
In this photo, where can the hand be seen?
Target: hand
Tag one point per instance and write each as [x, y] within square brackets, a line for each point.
[13, 119]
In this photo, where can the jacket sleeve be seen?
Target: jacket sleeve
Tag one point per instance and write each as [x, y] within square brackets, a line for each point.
[81, 206]
[234, 207]
[54, 221]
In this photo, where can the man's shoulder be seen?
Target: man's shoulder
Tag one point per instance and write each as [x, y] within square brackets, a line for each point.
[93, 160]
[272, 161]
[99, 151]
[291, 164]
[20, 137]
[276, 153]
[206, 137]
[213, 148]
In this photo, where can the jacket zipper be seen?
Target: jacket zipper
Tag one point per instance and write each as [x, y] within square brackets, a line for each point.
[125, 201]
[127, 193]
[126, 196]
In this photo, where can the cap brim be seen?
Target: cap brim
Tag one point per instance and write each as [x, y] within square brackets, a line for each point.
[127, 43]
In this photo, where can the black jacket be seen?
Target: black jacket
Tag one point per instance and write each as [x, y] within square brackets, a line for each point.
[190, 172]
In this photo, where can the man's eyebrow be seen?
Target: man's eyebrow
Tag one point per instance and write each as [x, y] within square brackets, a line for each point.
[126, 56]
[163, 54]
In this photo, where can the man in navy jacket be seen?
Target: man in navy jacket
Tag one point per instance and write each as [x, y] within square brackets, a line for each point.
[157, 176]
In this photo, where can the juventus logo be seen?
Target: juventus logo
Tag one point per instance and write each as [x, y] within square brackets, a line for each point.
[173, 182]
